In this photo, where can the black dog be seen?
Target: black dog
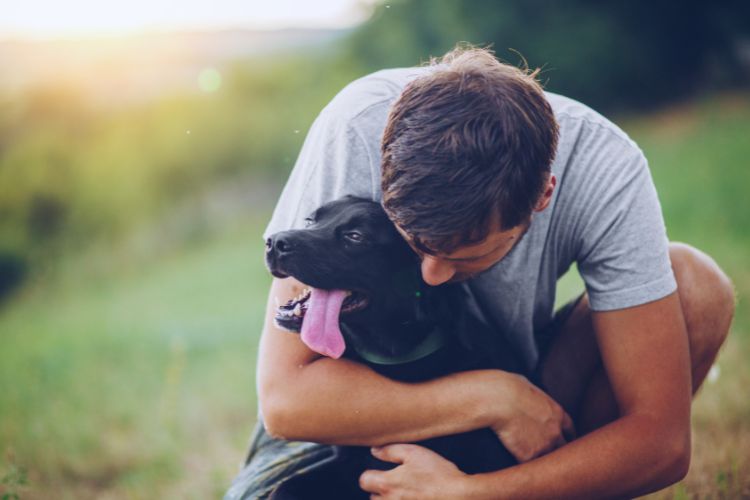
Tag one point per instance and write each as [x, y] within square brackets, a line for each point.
[366, 300]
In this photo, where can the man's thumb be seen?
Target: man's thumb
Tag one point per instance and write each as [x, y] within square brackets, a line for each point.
[395, 453]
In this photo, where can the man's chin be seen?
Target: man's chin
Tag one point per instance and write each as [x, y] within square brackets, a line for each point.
[460, 278]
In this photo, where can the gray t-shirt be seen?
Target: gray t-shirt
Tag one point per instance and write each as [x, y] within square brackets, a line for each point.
[604, 214]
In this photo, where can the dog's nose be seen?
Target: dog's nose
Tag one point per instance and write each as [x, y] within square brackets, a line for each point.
[278, 243]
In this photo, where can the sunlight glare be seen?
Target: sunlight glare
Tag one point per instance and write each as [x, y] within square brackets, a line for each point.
[43, 18]
[209, 80]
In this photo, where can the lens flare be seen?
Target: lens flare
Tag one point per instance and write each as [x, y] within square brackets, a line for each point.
[209, 80]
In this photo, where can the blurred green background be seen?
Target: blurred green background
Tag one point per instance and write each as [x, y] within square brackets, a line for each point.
[137, 173]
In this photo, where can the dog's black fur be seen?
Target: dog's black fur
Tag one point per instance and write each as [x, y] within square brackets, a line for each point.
[350, 244]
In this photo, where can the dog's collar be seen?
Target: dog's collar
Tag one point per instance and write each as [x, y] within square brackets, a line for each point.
[429, 345]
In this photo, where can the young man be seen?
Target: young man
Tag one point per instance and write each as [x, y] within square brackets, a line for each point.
[498, 184]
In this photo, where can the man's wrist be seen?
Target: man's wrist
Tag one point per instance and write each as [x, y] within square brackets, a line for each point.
[497, 410]
[478, 486]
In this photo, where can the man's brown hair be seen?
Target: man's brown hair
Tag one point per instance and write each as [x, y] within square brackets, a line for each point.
[469, 144]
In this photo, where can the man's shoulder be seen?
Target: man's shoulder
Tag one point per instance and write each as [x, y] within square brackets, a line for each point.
[370, 97]
[580, 124]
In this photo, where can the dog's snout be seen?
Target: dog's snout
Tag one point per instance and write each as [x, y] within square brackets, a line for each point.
[279, 243]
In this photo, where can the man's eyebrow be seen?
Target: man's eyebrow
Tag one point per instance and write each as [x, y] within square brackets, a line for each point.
[479, 257]
[475, 258]
[414, 247]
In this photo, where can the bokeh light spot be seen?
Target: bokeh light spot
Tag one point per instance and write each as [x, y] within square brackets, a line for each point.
[209, 80]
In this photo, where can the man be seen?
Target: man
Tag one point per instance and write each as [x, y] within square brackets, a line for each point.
[498, 184]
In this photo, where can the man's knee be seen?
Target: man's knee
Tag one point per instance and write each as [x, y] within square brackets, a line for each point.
[707, 296]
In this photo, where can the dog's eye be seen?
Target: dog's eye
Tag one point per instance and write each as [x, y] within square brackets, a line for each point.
[353, 236]
[309, 221]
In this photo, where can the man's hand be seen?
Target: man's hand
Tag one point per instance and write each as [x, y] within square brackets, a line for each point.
[423, 475]
[536, 424]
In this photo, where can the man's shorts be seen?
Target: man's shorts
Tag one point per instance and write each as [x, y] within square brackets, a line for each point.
[271, 461]
[545, 337]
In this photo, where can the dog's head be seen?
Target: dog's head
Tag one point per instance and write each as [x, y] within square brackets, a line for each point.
[357, 267]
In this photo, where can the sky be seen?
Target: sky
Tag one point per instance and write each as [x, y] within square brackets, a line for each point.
[74, 18]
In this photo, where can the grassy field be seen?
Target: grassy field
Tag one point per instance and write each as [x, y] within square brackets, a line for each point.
[138, 383]
[136, 380]
[699, 158]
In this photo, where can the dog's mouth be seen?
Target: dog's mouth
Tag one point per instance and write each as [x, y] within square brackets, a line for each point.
[315, 314]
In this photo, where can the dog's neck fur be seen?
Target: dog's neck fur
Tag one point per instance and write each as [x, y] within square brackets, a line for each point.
[408, 337]
[395, 344]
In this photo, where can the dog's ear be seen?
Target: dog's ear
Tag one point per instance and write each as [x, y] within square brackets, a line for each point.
[452, 306]
[442, 304]
[475, 333]
[462, 321]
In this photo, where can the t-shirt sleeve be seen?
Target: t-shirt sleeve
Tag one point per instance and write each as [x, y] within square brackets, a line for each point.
[624, 250]
[334, 162]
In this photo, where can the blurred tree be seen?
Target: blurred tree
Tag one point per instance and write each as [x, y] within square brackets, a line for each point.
[608, 54]
[12, 273]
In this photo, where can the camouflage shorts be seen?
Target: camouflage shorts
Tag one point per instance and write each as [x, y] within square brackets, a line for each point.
[270, 462]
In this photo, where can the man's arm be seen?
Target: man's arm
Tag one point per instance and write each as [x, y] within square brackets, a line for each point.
[646, 356]
[307, 397]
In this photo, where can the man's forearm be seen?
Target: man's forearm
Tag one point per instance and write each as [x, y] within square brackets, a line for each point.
[645, 354]
[341, 402]
[631, 456]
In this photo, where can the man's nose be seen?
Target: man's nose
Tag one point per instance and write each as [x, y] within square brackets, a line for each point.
[435, 271]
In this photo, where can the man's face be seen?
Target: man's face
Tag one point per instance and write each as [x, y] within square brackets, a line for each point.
[471, 260]
[467, 261]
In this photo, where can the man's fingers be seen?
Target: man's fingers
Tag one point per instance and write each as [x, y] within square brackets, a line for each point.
[560, 442]
[371, 481]
[569, 430]
[396, 453]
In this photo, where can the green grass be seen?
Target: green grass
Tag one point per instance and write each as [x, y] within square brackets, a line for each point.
[699, 159]
[126, 382]
[136, 380]
[699, 156]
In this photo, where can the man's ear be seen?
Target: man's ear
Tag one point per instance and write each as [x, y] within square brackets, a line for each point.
[547, 195]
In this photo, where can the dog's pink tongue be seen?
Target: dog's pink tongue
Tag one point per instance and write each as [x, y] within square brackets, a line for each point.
[320, 326]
